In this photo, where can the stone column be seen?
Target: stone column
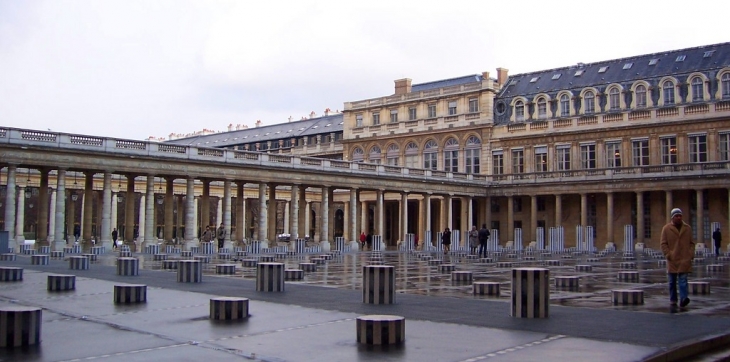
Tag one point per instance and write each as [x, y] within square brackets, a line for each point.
[205, 205]
[240, 213]
[106, 211]
[324, 237]
[488, 212]
[294, 214]
[218, 213]
[88, 209]
[42, 231]
[142, 221]
[227, 213]
[354, 234]
[364, 216]
[115, 217]
[271, 214]
[404, 214]
[52, 219]
[307, 218]
[169, 207]
[700, 217]
[20, 219]
[129, 213]
[584, 209]
[59, 215]
[426, 217]
[558, 210]
[639, 217]
[443, 218]
[669, 205]
[465, 219]
[379, 230]
[303, 211]
[149, 220]
[10, 208]
[511, 218]
[287, 214]
[449, 211]
[262, 227]
[609, 217]
[533, 219]
[197, 205]
[190, 235]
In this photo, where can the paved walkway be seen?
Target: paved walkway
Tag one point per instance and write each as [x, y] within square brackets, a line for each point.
[317, 322]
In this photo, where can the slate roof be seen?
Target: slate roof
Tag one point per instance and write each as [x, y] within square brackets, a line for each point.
[447, 83]
[307, 127]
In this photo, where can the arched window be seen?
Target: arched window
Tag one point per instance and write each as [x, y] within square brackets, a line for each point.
[430, 154]
[375, 155]
[564, 105]
[519, 111]
[392, 155]
[640, 96]
[589, 100]
[614, 102]
[725, 85]
[698, 91]
[412, 155]
[473, 151]
[541, 108]
[451, 155]
[668, 89]
[358, 155]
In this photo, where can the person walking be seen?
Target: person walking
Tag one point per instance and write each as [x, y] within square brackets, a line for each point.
[717, 238]
[363, 238]
[483, 238]
[446, 240]
[473, 240]
[115, 235]
[77, 232]
[679, 249]
[221, 234]
[207, 235]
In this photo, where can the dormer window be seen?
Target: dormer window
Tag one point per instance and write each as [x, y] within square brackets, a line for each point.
[653, 61]
[519, 111]
[578, 73]
[628, 65]
[708, 53]
[602, 69]
[680, 58]
[589, 103]
[556, 76]
[534, 79]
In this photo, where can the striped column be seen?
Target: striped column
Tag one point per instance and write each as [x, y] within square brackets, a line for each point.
[628, 276]
[567, 282]
[78, 263]
[152, 249]
[45, 249]
[627, 297]
[61, 282]
[378, 286]
[91, 257]
[125, 254]
[40, 259]
[486, 288]
[270, 277]
[130, 293]
[249, 262]
[7, 257]
[11, 274]
[159, 257]
[696, 288]
[189, 271]
[461, 276]
[530, 293]
[208, 248]
[57, 254]
[308, 267]
[225, 269]
[169, 264]
[228, 308]
[293, 274]
[128, 266]
[20, 326]
[97, 250]
[381, 329]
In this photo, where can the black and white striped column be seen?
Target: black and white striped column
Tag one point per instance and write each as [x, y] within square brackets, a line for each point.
[20, 326]
[39, 259]
[270, 277]
[56, 254]
[461, 276]
[11, 274]
[627, 297]
[152, 249]
[189, 271]
[378, 285]
[208, 248]
[44, 249]
[486, 288]
[381, 329]
[567, 282]
[225, 269]
[159, 257]
[228, 308]
[628, 276]
[97, 250]
[8, 257]
[696, 288]
[78, 262]
[125, 254]
[308, 267]
[293, 274]
[61, 282]
[530, 293]
[130, 293]
[91, 257]
[583, 268]
[169, 264]
[128, 266]
[249, 263]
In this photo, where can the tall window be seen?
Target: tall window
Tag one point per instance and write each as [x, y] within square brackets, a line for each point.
[452, 108]
[376, 119]
[358, 120]
[725, 85]
[541, 159]
[564, 105]
[412, 155]
[724, 146]
[588, 156]
[613, 154]
[392, 155]
[497, 162]
[430, 155]
[590, 105]
[563, 157]
[393, 115]
[451, 155]
[431, 111]
[473, 151]
[668, 90]
[412, 113]
[640, 152]
[541, 108]
[519, 111]
[473, 105]
[640, 96]
[669, 150]
[374, 155]
[698, 148]
[518, 161]
[698, 89]
[358, 155]
[613, 99]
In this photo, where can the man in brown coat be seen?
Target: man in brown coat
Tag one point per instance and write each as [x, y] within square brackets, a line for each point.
[679, 250]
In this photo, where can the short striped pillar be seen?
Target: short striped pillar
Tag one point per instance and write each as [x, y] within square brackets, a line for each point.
[159, 257]
[56, 254]
[186, 254]
[447, 268]
[528, 258]
[280, 256]
[553, 262]
[195, 249]
[530, 293]
[435, 262]
[208, 248]
[128, 266]
[68, 250]
[11, 274]
[628, 276]
[511, 256]
[696, 288]
[169, 264]
[170, 249]
[697, 261]
[91, 257]
[461, 276]
[125, 254]
[592, 260]
[202, 258]
[228, 308]
[318, 261]
[381, 330]
[152, 249]
[8, 257]
[130, 293]
[20, 326]
[27, 249]
[378, 285]
[628, 258]
[224, 256]
[241, 253]
[189, 271]
[225, 269]
[566, 256]
[627, 297]
[567, 282]
[584, 268]
[662, 262]
[75, 249]
[486, 260]
[97, 250]
[504, 264]
[270, 277]
[249, 263]
[78, 262]
[293, 274]
[266, 259]
[44, 249]
[715, 268]
[124, 247]
[224, 250]
[61, 282]
[39, 259]
[308, 267]
[486, 288]
[627, 265]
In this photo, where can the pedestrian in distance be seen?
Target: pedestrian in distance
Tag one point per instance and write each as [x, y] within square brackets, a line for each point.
[77, 232]
[483, 238]
[221, 235]
[446, 240]
[115, 235]
[473, 240]
[207, 235]
[679, 250]
[717, 238]
[363, 239]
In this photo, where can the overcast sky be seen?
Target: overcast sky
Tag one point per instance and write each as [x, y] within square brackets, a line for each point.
[134, 69]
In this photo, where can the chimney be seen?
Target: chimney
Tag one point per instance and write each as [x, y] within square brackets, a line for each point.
[290, 118]
[402, 86]
[230, 127]
[502, 74]
[485, 75]
[258, 122]
[327, 112]
[312, 115]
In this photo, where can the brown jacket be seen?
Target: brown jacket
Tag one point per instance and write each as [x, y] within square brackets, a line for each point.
[678, 248]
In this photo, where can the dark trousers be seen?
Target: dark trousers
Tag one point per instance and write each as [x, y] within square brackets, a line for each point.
[483, 250]
[717, 248]
[220, 243]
